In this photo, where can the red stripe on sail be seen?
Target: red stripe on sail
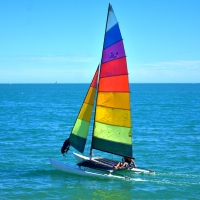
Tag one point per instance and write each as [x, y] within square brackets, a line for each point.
[94, 81]
[114, 68]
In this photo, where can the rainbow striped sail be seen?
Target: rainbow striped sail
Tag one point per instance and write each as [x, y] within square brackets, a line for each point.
[112, 125]
[79, 133]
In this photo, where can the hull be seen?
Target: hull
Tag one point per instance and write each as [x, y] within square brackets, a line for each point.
[77, 171]
[140, 170]
[81, 158]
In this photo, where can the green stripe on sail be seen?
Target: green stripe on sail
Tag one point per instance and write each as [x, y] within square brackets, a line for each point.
[113, 133]
[77, 142]
[81, 128]
[79, 134]
[112, 147]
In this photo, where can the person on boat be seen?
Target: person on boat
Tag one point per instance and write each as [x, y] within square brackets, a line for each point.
[127, 162]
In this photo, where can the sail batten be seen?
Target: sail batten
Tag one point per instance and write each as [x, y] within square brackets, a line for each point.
[112, 124]
[113, 76]
[111, 107]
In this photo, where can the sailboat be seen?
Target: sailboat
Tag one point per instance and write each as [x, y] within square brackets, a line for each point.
[109, 94]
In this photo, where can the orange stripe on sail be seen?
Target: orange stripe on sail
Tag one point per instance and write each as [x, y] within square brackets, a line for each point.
[114, 84]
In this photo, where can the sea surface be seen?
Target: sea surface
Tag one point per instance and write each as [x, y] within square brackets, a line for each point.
[35, 119]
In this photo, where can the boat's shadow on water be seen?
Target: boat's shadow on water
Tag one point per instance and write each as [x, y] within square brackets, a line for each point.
[99, 188]
[93, 187]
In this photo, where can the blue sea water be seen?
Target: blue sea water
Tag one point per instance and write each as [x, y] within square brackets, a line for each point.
[35, 119]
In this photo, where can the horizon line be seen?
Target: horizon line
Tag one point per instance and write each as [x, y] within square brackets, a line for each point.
[90, 83]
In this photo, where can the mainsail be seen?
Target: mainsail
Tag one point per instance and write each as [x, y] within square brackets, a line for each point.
[112, 125]
[79, 133]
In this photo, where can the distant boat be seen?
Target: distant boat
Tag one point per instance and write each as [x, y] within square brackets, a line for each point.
[109, 93]
[56, 82]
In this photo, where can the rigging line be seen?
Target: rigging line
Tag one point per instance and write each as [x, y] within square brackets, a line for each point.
[95, 104]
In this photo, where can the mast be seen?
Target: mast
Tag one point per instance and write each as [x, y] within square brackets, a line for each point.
[98, 80]
[98, 69]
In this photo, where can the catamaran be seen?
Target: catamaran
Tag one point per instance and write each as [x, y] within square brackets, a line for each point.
[109, 94]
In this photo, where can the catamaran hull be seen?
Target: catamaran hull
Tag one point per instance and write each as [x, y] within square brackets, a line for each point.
[77, 171]
[81, 158]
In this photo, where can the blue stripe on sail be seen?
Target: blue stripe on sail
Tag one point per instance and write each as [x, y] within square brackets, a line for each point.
[112, 36]
[111, 19]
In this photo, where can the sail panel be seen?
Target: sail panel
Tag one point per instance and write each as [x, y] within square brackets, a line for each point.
[81, 128]
[91, 95]
[114, 100]
[78, 142]
[113, 133]
[114, 84]
[86, 112]
[111, 18]
[112, 36]
[94, 81]
[113, 116]
[114, 68]
[113, 52]
[112, 147]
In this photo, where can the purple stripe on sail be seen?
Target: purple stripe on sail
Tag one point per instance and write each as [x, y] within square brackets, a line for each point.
[113, 52]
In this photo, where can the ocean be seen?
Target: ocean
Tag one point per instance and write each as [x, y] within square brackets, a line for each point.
[35, 119]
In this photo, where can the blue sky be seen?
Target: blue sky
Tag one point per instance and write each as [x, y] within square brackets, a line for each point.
[61, 40]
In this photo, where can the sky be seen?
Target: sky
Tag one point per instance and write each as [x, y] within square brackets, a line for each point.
[62, 40]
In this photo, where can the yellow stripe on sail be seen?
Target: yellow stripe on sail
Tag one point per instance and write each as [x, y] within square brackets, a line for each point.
[90, 96]
[85, 112]
[114, 100]
[113, 116]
